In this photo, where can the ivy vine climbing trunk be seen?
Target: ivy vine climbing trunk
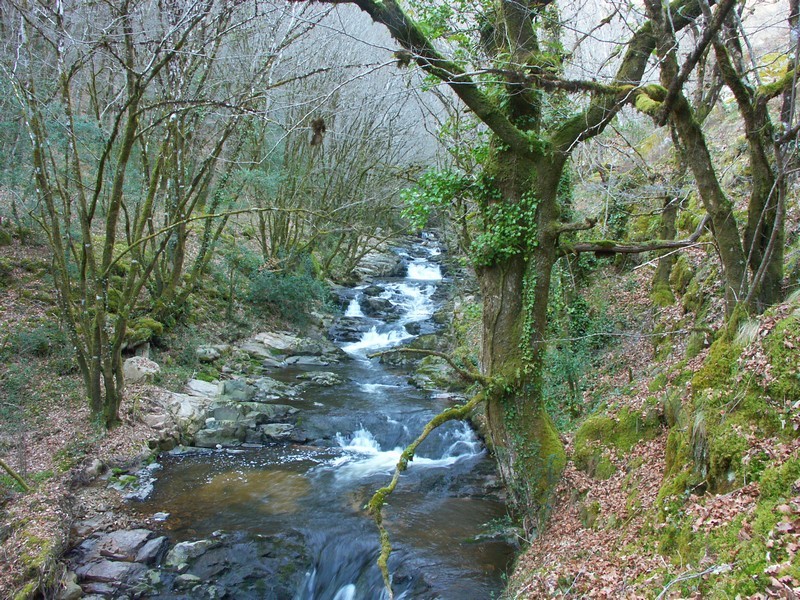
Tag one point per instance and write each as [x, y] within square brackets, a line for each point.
[515, 292]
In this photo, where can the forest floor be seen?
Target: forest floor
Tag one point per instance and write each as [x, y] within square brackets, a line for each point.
[47, 434]
[604, 537]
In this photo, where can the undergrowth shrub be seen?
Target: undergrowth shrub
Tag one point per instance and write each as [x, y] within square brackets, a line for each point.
[290, 295]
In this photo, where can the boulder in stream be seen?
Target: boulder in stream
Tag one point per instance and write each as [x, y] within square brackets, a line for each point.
[378, 264]
[323, 378]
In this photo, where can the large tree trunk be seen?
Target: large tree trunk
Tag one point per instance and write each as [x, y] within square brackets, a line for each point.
[529, 452]
[515, 292]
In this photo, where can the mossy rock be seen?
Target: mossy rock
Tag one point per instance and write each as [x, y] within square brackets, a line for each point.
[695, 344]
[672, 407]
[588, 514]
[694, 298]
[681, 274]
[718, 369]
[602, 432]
[6, 270]
[782, 346]
[143, 329]
[662, 296]
[645, 227]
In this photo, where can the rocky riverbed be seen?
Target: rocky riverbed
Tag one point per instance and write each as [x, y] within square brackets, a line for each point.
[263, 471]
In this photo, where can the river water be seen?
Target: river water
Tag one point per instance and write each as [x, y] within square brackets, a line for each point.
[300, 508]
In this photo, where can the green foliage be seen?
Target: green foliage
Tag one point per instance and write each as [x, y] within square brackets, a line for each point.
[434, 191]
[681, 274]
[508, 228]
[38, 341]
[783, 350]
[143, 329]
[6, 270]
[290, 296]
[718, 368]
[578, 328]
[662, 295]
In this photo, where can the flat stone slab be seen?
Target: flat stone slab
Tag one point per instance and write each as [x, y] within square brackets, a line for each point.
[277, 340]
[185, 551]
[324, 378]
[198, 387]
[277, 431]
[107, 571]
[152, 548]
[123, 544]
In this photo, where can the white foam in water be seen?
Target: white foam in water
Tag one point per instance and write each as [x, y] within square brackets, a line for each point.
[354, 309]
[367, 458]
[373, 388]
[347, 592]
[416, 301]
[424, 271]
[373, 340]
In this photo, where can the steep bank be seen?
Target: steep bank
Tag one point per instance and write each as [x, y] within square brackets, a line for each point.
[683, 480]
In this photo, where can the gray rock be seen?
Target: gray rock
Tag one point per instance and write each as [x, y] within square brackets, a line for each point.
[225, 412]
[207, 354]
[277, 431]
[223, 436]
[108, 571]
[272, 389]
[278, 341]
[255, 349]
[198, 387]
[123, 544]
[381, 264]
[186, 551]
[187, 581]
[236, 390]
[188, 411]
[95, 468]
[152, 548]
[307, 360]
[377, 307]
[324, 378]
[156, 420]
[348, 329]
[274, 362]
[413, 328]
[100, 591]
[372, 290]
[260, 413]
[139, 369]
[253, 439]
[69, 588]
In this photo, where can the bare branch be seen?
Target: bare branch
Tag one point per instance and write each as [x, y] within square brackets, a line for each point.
[468, 374]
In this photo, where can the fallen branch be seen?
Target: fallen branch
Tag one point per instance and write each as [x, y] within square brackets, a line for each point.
[16, 476]
[603, 247]
[468, 374]
[687, 576]
[378, 500]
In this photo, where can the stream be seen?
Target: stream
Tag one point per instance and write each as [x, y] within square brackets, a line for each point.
[287, 520]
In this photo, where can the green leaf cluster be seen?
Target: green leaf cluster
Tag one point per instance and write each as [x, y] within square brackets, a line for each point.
[508, 228]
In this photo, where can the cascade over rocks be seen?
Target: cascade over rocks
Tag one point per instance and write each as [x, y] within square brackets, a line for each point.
[218, 422]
